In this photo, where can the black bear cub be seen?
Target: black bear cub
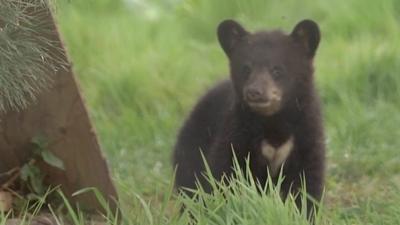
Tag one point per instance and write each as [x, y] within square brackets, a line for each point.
[268, 110]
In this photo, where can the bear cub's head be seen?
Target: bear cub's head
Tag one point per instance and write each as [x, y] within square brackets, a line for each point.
[270, 70]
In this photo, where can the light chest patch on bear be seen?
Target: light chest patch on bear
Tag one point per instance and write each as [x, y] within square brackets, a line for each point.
[276, 156]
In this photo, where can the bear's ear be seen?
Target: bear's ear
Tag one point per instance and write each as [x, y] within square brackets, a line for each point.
[307, 33]
[230, 33]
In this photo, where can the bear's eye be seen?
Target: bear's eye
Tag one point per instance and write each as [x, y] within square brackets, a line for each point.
[246, 70]
[276, 72]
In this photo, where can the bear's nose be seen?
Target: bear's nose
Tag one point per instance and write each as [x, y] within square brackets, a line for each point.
[254, 94]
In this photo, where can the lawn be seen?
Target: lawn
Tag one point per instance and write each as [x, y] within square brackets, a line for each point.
[142, 65]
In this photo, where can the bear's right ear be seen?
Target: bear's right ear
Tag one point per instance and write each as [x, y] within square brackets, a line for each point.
[230, 33]
[307, 33]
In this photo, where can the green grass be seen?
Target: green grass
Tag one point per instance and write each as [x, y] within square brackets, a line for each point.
[142, 67]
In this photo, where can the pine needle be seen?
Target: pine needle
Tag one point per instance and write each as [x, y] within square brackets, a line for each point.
[28, 58]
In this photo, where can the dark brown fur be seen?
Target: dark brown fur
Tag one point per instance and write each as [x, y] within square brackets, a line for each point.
[223, 119]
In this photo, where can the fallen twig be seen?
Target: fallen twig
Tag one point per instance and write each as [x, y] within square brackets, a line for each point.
[13, 178]
[10, 172]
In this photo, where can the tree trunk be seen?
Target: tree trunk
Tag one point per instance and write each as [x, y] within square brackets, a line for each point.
[59, 115]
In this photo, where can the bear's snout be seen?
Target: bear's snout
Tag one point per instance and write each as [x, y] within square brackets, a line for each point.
[264, 99]
[255, 94]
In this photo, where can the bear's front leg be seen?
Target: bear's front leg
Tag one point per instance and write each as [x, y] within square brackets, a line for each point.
[220, 162]
[311, 177]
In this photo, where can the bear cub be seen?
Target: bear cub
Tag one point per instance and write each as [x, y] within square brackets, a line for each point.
[268, 111]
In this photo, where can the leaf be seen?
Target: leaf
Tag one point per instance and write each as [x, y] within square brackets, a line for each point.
[39, 142]
[36, 180]
[24, 174]
[40, 148]
[33, 175]
[52, 160]
[37, 185]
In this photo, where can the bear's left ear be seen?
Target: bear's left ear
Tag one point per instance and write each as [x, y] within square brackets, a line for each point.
[307, 33]
[230, 33]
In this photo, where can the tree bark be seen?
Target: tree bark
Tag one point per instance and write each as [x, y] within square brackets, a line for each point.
[59, 115]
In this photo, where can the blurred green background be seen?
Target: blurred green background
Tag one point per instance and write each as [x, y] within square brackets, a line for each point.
[143, 64]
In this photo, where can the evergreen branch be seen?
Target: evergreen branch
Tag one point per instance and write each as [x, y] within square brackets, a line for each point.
[28, 57]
